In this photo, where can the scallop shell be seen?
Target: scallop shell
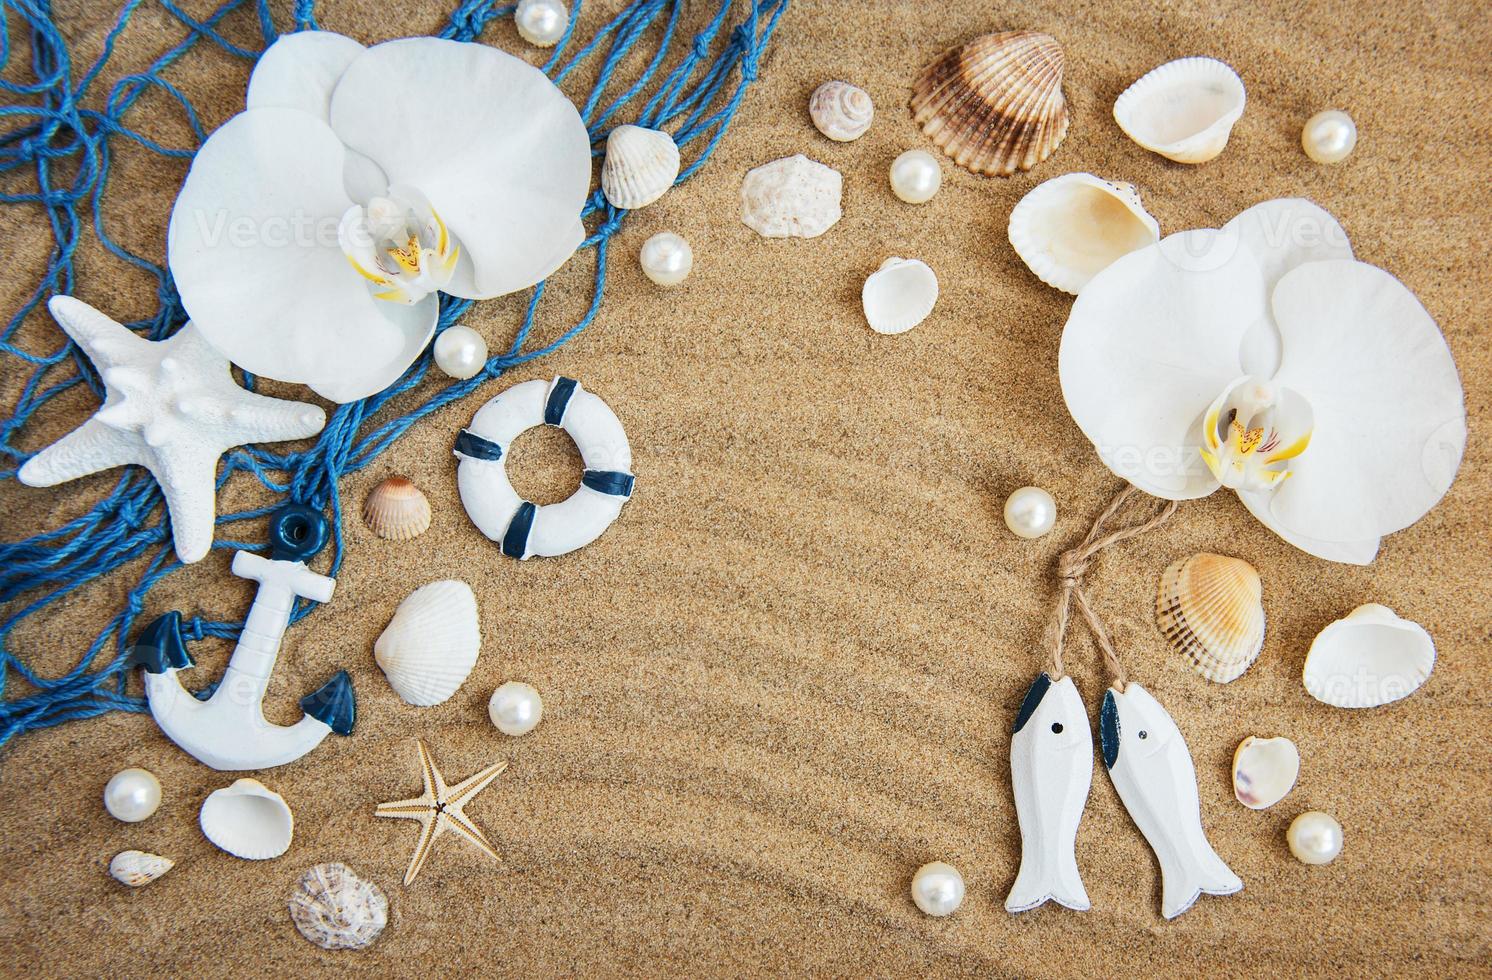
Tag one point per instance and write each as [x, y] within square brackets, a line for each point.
[1183, 110]
[899, 295]
[995, 104]
[335, 909]
[1264, 771]
[138, 868]
[841, 111]
[1370, 657]
[396, 510]
[431, 644]
[794, 197]
[1068, 229]
[1210, 609]
[641, 164]
[248, 820]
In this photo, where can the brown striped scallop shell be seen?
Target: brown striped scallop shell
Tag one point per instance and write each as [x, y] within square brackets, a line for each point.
[995, 104]
[1209, 608]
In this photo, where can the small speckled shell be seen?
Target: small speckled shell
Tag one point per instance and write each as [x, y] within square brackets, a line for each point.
[841, 111]
[793, 197]
[335, 909]
[396, 510]
[1210, 610]
[138, 868]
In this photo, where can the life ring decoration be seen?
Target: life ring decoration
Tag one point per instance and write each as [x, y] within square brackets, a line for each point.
[525, 529]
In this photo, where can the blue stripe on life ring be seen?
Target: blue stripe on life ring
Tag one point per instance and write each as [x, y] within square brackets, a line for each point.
[613, 482]
[515, 541]
[473, 446]
[559, 400]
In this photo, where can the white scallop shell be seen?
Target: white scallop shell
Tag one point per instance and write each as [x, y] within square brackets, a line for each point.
[1368, 658]
[793, 197]
[641, 164]
[431, 644]
[1068, 229]
[841, 111]
[1183, 110]
[248, 820]
[899, 295]
[138, 868]
[1264, 771]
[335, 909]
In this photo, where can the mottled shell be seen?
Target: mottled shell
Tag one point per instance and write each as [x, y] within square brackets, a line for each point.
[335, 909]
[1369, 658]
[1210, 610]
[841, 111]
[396, 510]
[1264, 771]
[995, 104]
[138, 868]
[793, 197]
[641, 164]
[431, 644]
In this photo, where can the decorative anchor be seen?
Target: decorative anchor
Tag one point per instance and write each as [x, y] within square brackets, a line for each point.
[225, 726]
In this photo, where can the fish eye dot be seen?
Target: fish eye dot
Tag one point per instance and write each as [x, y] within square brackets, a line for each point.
[1056, 728]
[1142, 734]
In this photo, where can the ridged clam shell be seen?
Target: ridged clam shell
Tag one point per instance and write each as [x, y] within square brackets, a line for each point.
[1369, 658]
[1264, 771]
[899, 295]
[995, 104]
[1184, 110]
[248, 820]
[1070, 228]
[431, 644]
[641, 164]
[1210, 609]
[138, 868]
[793, 197]
[335, 909]
[396, 510]
[841, 111]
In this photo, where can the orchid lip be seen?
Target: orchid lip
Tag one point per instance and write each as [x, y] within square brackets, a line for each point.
[1252, 431]
[400, 245]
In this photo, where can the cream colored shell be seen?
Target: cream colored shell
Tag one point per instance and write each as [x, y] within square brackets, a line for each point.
[335, 909]
[841, 111]
[899, 295]
[1070, 228]
[397, 510]
[1264, 771]
[641, 164]
[138, 868]
[431, 644]
[793, 197]
[248, 820]
[1209, 608]
[1369, 658]
[1184, 110]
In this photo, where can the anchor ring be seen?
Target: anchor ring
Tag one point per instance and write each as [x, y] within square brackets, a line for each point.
[525, 529]
[297, 532]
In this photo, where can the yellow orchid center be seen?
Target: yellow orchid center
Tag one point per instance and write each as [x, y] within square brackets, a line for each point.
[1252, 431]
[400, 245]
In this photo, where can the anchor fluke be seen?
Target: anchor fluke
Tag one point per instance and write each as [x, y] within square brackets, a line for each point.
[333, 704]
[159, 647]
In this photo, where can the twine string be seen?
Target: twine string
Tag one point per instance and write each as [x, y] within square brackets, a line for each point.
[1072, 569]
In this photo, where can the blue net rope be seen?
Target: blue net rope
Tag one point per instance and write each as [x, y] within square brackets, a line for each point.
[59, 138]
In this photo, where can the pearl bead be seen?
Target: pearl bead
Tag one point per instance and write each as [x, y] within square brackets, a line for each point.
[460, 352]
[1030, 512]
[938, 888]
[515, 708]
[666, 258]
[132, 795]
[1328, 137]
[916, 176]
[1315, 837]
[541, 22]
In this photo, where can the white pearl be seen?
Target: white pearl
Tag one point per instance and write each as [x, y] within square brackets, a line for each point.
[1329, 136]
[1030, 512]
[666, 258]
[132, 795]
[938, 888]
[515, 708]
[541, 22]
[916, 176]
[1315, 837]
[460, 352]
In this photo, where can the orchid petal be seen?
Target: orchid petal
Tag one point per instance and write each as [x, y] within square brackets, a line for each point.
[299, 71]
[1150, 342]
[1282, 234]
[1347, 552]
[253, 250]
[500, 152]
[1389, 412]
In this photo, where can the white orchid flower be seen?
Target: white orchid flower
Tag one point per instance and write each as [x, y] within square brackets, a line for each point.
[316, 228]
[1263, 358]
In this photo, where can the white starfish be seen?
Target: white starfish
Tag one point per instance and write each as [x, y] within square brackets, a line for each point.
[440, 809]
[172, 407]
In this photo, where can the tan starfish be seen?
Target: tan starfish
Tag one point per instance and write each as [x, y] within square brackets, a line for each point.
[440, 809]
